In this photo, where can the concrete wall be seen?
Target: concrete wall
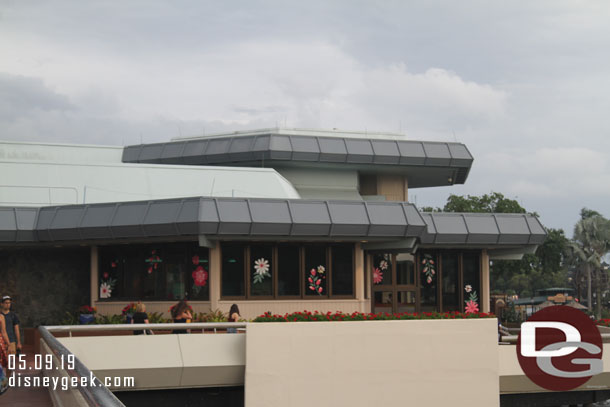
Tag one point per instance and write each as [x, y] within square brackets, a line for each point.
[383, 363]
[164, 361]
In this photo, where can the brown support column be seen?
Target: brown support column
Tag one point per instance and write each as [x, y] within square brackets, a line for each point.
[485, 283]
[94, 272]
[359, 272]
[215, 261]
[406, 189]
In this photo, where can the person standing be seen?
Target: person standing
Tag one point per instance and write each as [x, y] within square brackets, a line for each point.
[12, 326]
[140, 317]
[233, 317]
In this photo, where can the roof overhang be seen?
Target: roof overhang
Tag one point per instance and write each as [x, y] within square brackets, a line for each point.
[425, 163]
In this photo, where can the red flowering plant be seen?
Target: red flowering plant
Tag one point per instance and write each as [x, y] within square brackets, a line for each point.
[129, 308]
[86, 309]
[604, 322]
[308, 316]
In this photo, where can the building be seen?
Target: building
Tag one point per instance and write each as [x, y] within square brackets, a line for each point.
[274, 220]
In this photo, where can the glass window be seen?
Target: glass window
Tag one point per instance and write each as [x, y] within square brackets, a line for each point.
[382, 269]
[288, 270]
[315, 270]
[233, 270]
[198, 273]
[405, 269]
[147, 272]
[471, 273]
[383, 301]
[261, 272]
[342, 270]
[428, 277]
[406, 301]
[449, 287]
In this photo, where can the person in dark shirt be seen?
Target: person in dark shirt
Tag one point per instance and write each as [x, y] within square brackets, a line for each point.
[12, 326]
[181, 314]
[140, 317]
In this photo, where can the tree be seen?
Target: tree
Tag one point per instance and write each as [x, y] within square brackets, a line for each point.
[591, 242]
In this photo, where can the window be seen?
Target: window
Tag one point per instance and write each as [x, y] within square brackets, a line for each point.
[154, 272]
[233, 270]
[287, 270]
[288, 275]
[343, 270]
[450, 271]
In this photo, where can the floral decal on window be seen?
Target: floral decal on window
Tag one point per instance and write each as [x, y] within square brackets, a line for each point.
[472, 305]
[200, 275]
[261, 270]
[153, 261]
[378, 272]
[316, 276]
[429, 268]
[107, 283]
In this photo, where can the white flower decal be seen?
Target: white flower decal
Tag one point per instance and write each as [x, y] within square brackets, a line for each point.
[261, 270]
[383, 265]
[105, 290]
[468, 288]
[321, 269]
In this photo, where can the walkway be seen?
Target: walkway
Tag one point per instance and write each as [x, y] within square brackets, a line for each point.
[27, 397]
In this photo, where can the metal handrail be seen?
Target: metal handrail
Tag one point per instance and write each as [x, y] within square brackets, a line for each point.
[94, 396]
[139, 327]
[513, 338]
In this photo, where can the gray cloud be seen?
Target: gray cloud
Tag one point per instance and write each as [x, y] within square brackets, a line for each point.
[523, 85]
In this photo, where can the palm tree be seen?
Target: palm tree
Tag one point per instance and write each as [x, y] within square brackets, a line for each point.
[590, 243]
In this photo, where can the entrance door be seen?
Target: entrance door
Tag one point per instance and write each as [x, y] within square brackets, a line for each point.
[393, 283]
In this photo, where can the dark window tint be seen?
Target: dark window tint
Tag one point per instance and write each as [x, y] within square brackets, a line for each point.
[450, 287]
[261, 270]
[315, 270]
[233, 270]
[471, 265]
[288, 275]
[342, 270]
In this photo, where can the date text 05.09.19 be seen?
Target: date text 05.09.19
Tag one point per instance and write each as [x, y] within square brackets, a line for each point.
[41, 362]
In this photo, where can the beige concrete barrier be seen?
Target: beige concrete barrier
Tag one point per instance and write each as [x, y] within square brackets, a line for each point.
[384, 363]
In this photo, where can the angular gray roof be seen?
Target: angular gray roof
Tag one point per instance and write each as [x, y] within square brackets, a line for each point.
[220, 217]
[421, 160]
[482, 229]
[260, 218]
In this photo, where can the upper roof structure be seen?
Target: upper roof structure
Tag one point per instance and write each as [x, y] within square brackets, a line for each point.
[425, 163]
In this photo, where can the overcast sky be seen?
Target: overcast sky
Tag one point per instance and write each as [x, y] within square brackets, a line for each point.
[525, 85]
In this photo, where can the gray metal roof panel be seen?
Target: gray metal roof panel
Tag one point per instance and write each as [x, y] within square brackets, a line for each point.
[270, 217]
[151, 153]
[8, 225]
[95, 223]
[160, 219]
[234, 215]
[131, 154]
[207, 215]
[437, 154]
[411, 153]
[348, 218]
[385, 152]
[26, 224]
[450, 229]
[386, 220]
[172, 153]
[45, 216]
[280, 147]
[305, 148]
[241, 149]
[193, 152]
[460, 156]
[127, 221]
[332, 149]
[310, 218]
[359, 151]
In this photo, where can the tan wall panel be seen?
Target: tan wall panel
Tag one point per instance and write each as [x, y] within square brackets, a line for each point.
[94, 275]
[392, 187]
[393, 363]
[485, 287]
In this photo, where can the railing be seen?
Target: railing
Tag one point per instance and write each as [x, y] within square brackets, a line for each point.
[512, 339]
[153, 327]
[99, 395]
[93, 396]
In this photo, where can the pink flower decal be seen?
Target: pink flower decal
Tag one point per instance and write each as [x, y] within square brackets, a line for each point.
[200, 277]
[195, 260]
[472, 307]
[377, 276]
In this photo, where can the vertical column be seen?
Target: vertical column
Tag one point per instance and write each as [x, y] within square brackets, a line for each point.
[94, 267]
[215, 265]
[485, 284]
[406, 196]
[359, 272]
